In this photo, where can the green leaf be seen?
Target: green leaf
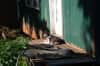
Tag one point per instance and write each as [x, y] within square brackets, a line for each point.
[10, 49]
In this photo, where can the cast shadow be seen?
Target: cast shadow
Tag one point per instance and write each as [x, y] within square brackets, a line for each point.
[33, 17]
[88, 7]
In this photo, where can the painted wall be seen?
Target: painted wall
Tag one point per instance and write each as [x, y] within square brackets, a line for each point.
[75, 24]
[44, 10]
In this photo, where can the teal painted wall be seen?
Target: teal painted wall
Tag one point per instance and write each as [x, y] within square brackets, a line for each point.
[66, 19]
[44, 6]
[75, 24]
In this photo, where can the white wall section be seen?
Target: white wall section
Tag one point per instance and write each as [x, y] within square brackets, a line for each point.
[56, 23]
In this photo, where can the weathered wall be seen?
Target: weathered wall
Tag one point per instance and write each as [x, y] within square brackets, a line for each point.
[76, 20]
[77, 17]
[45, 11]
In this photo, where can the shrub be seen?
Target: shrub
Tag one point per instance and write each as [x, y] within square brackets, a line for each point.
[10, 49]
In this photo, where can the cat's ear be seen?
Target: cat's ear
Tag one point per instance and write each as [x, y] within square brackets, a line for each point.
[45, 35]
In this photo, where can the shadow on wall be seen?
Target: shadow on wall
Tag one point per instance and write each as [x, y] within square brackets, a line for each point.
[8, 16]
[33, 18]
[88, 7]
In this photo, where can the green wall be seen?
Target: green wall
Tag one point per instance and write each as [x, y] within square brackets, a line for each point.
[44, 5]
[75, 24]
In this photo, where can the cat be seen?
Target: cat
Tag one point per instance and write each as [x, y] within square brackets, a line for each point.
[54, 39]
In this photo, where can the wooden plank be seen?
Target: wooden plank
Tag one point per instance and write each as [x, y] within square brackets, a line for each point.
[73, 48]
[71, 61]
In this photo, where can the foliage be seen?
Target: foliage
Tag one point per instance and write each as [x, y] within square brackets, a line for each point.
[10, 49]
[21, 61]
